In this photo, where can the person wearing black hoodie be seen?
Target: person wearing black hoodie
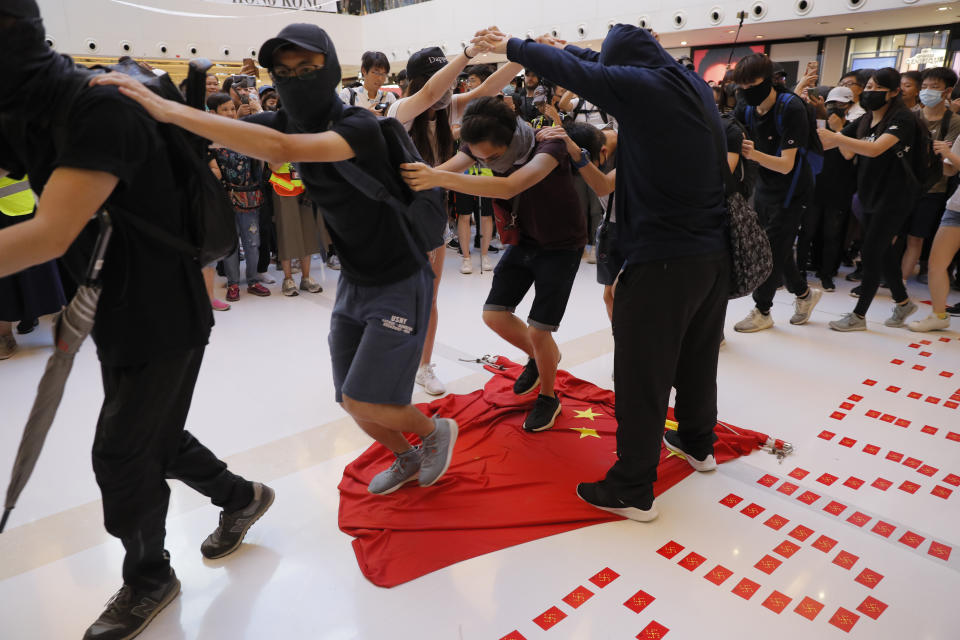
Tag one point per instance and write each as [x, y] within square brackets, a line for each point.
[150, 342]
[671, 216]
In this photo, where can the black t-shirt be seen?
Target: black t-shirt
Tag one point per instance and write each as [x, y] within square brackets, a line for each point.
[154, 301]
[367, 234]
[773, 186]
[882, 182]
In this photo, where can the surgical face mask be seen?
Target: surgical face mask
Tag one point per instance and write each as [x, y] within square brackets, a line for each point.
[873, 100]
[444, 101]
[931, 97]
[755, 95]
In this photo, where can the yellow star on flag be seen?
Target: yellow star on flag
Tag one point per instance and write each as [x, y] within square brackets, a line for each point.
[588, 414]
[586, 433]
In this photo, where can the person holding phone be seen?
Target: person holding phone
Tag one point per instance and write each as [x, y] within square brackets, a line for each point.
[242, 90]
[374, 69]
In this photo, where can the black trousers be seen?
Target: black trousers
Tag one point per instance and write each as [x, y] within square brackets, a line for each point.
[781, 224]
[141, 442]
[828, 223]
[880, 256]
[672, 342]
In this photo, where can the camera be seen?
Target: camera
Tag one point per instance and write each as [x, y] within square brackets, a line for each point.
[243, 81]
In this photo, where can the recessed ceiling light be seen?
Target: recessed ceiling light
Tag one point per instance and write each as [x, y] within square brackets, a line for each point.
[943, 8]
[758, 37]
[683, 43]
[848, 29]
[824, 22]
[731, 31]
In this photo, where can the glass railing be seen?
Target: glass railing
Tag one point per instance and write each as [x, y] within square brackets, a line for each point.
[363, 7]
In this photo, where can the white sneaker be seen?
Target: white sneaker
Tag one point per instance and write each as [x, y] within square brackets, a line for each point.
[333, 262]
[427, 378]
[466, 267]
[930, 323]
[900, 314]
[755, 321]
[803, 307]
[485, 264]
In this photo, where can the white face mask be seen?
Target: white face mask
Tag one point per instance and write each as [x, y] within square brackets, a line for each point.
[931, 97]
[444, 101]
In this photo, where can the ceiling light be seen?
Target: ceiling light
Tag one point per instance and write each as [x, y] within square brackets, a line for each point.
[943, 8]
[731, 31]
[758, 37]
[824, 22]
[683, 43]
[848, 29]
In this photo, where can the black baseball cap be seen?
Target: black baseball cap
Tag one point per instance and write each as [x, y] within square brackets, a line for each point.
[426, 62]
[20, 8]
[303, 35]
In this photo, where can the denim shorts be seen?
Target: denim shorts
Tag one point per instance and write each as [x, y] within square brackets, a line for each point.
[950, 219]
[376, 338]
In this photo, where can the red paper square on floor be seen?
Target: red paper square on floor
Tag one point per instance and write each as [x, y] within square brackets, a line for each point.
[881, 483]
[752, 510]
[938, 550]
[911, 539]
[869, 382]
[871, 607]
[826, 435]
[941, 492]
[718, 575]
[913, 463]
[951, 404]
[786, 548]
[925, 354]
[887, 417]
[953, 479]
[855, 398]
[871, 449]
[825, 544]
[777, 602]
[919, 367]
[859, 519]
[902, 422]
[925, 342]
[896, 361]
[691, 561]
[768, 564]
[776, 522]
[953, 436]
[914, 345]
[931, 431]
[928, 471]
[873, 413]
[746, 588]
[513, 635]
[837, 415]
[578, 596]
[845, 559]
[844, 620]
[847, 442]
[605, 577]
[787, 488]
[799, 474]
[549, 618]
[909, 487]
[846, 406]
[913, 395]
[731, 501]
[653, 631]
[893, 389]
[801, 532]
[639, 601]
[869, 578]
[896, 456]
[670, 549]
[933, 400]
[853, 482]
[883, 529]
[808, 497]
[827, 479]
[944, 339]
[835, 508]
[768, 480]
[809, 608]
[946, 374]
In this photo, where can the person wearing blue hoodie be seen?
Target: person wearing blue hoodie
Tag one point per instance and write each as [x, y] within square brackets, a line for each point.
[671, 214]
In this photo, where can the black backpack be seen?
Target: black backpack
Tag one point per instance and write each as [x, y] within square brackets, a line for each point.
[211, 233]
[925, 168]
[423, 213]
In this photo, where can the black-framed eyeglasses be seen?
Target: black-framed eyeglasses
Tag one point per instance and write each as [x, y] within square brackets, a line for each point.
[301, 73]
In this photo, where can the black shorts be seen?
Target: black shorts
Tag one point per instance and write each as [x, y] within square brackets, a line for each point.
[609, 259]
[926, 217]
[465, 205]
[550, 272]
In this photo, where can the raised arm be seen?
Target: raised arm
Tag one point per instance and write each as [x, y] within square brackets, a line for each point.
[420, 177]
[437, 85]
[492, 85]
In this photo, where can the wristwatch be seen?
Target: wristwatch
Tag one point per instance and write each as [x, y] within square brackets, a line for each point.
[584, 159]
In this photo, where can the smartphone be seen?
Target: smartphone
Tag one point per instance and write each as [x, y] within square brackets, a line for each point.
[812, 67]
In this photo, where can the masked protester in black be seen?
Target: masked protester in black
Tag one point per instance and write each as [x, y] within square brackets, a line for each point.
[382, 309]
[150, 341]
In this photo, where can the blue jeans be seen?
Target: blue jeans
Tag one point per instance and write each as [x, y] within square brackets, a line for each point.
[248, 228]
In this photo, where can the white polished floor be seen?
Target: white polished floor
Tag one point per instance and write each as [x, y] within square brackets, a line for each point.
[265, 404]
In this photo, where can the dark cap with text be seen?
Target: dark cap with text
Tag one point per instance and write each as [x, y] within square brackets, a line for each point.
[426, 62]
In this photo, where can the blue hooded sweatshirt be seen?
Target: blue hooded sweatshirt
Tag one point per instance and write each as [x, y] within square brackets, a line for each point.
[670, 199]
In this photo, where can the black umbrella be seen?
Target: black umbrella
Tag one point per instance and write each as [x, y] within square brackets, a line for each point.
[70, 330]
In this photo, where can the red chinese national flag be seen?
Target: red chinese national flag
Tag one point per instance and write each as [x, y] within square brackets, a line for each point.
[504, 486]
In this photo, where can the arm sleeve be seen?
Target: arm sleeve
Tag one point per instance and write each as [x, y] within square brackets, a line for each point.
[953, 130]
[850, 130]
[796, 129]
[734, 137]
[589, 80]
[361, 130]
[903, 126]
[9, 161]
[584, 54]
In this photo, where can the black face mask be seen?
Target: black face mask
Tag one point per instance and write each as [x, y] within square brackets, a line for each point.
[873, 100]
[837, 111]
[311, 102]
[754, 96]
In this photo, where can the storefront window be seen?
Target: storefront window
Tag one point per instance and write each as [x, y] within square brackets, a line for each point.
[904, 52]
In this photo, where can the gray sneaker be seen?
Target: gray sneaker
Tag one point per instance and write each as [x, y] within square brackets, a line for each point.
[803, 307]
[404, 469]
[755, 321]
[289, 287]
[8, 346]
[437, 451]
[900, 314]
[310, 285]
[227, 537]
[849, 322]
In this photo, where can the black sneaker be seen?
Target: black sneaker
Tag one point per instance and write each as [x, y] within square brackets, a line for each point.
[27, 326]
[234, 525]
[130, 611]
[493, 249]
[528, 380]
[827, 284]
[672, 441]
[954, 310]
[855, 292]
[544, 413]
[856, 275]
[454, 244]
[597, 495]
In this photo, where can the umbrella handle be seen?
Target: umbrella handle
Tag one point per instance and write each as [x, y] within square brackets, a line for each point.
[3, 520]
[100, 249]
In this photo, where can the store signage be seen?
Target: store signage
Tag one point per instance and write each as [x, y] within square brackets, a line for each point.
[928, 58]
[301, 5]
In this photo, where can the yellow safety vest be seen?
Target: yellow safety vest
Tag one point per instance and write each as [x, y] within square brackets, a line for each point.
[16, 198]
[477, 171]
[286, 181]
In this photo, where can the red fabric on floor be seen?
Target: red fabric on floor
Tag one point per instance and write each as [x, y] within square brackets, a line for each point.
[504, 486]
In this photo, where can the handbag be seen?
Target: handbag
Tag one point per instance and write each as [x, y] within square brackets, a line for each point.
[506, 221]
